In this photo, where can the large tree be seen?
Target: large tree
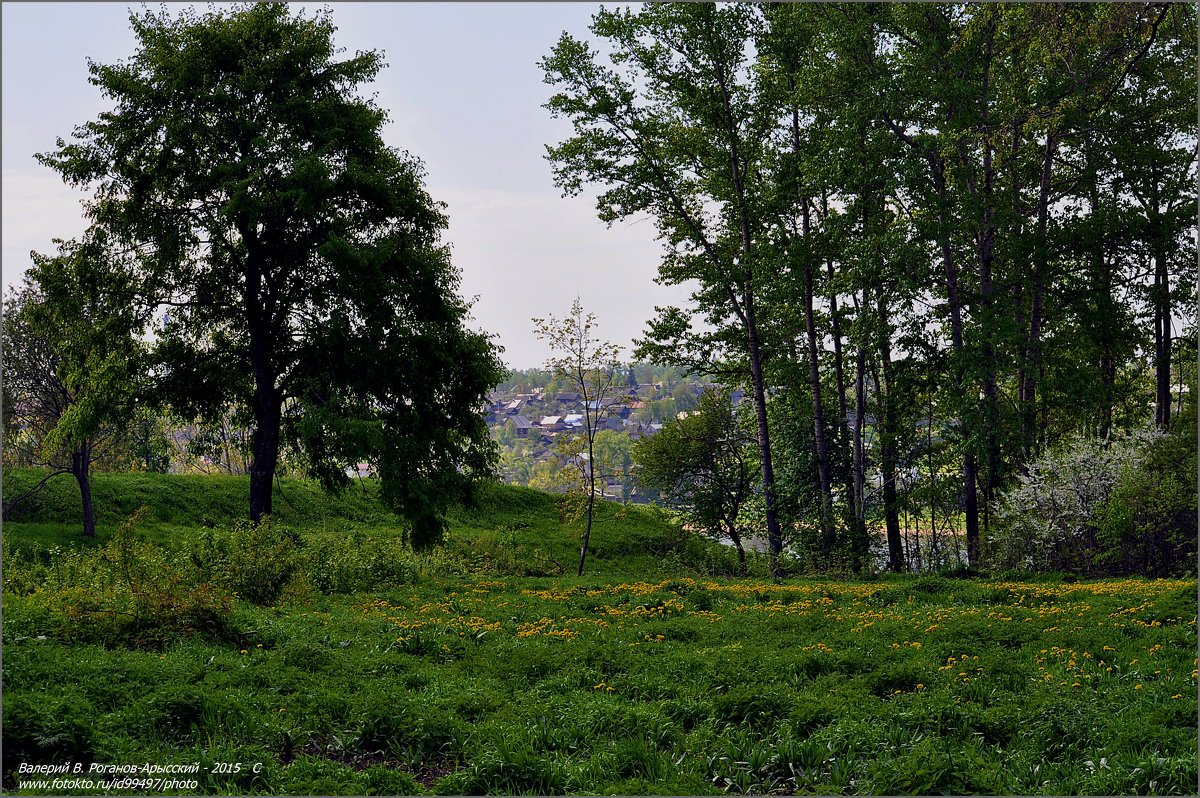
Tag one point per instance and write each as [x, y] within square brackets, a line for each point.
[676, 129]
[297, 255]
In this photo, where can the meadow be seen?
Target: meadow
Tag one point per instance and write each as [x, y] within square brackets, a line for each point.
[480, 668]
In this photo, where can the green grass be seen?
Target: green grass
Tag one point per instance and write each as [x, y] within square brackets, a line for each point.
[510, 529]
[676, 686]
[456, 674]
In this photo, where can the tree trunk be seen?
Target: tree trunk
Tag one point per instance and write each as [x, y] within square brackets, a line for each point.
[1162, 339]
[267, 402]
[264, 442]
[986, 253]
[80, 469]
[587, 532]
[265, 445]
[971, 500]
[835, 322]
[774, 533]
[860, 544]
[814, 379]
[887, 444]
[1031, 365]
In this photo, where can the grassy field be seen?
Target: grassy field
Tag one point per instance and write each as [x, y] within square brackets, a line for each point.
[481, 669]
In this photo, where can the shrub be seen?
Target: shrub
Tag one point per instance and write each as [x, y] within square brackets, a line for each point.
[1049, 520]
[1147, 525]
[41, 733]
[128, 591]
[359, 564]
[254, 561]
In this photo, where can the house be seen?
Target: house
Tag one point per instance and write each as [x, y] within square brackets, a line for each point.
[514, 406]
[521, 425]
[573, 420]
[567, 397]
[552, 423]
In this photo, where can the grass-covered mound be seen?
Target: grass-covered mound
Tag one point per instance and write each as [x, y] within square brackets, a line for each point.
[508, 530]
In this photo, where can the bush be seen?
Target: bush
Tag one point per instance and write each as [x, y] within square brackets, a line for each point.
[1147, 525]
[254, 561]
[1049, 521]
[38, 732]
[128, 591]
[359, 565]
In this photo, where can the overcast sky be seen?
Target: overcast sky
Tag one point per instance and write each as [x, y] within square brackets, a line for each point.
[464, 93]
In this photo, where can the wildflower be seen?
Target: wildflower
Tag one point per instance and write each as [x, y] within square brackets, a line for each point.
[1137, 687]
[244, 651]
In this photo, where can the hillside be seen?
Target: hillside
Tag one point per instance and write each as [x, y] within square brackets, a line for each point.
[509, 530]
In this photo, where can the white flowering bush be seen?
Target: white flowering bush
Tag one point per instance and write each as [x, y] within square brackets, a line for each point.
[1048, 520]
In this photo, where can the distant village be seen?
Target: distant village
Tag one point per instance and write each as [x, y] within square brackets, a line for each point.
[540, 427]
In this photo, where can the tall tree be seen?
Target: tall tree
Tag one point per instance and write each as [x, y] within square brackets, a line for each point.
[299, 256]
[675, 129]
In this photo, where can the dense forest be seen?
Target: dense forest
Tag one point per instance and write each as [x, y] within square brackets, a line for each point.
[935, 243]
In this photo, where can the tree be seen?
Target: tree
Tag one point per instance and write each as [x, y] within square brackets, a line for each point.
[299, 257]
[704, 465]
[676, 130]
[148, 445]
[614, 457]
[72, 361]
[590, 367]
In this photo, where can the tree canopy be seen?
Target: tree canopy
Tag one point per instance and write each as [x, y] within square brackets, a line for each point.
[294, 258]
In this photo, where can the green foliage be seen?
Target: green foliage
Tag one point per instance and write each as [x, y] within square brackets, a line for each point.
[41, 731]
[1147, 525]
[1121, 506]
[301, 255]
[252, 561]
[125, 592]
[704, 465]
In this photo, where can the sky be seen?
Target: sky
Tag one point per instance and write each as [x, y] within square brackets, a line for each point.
[464, 94]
